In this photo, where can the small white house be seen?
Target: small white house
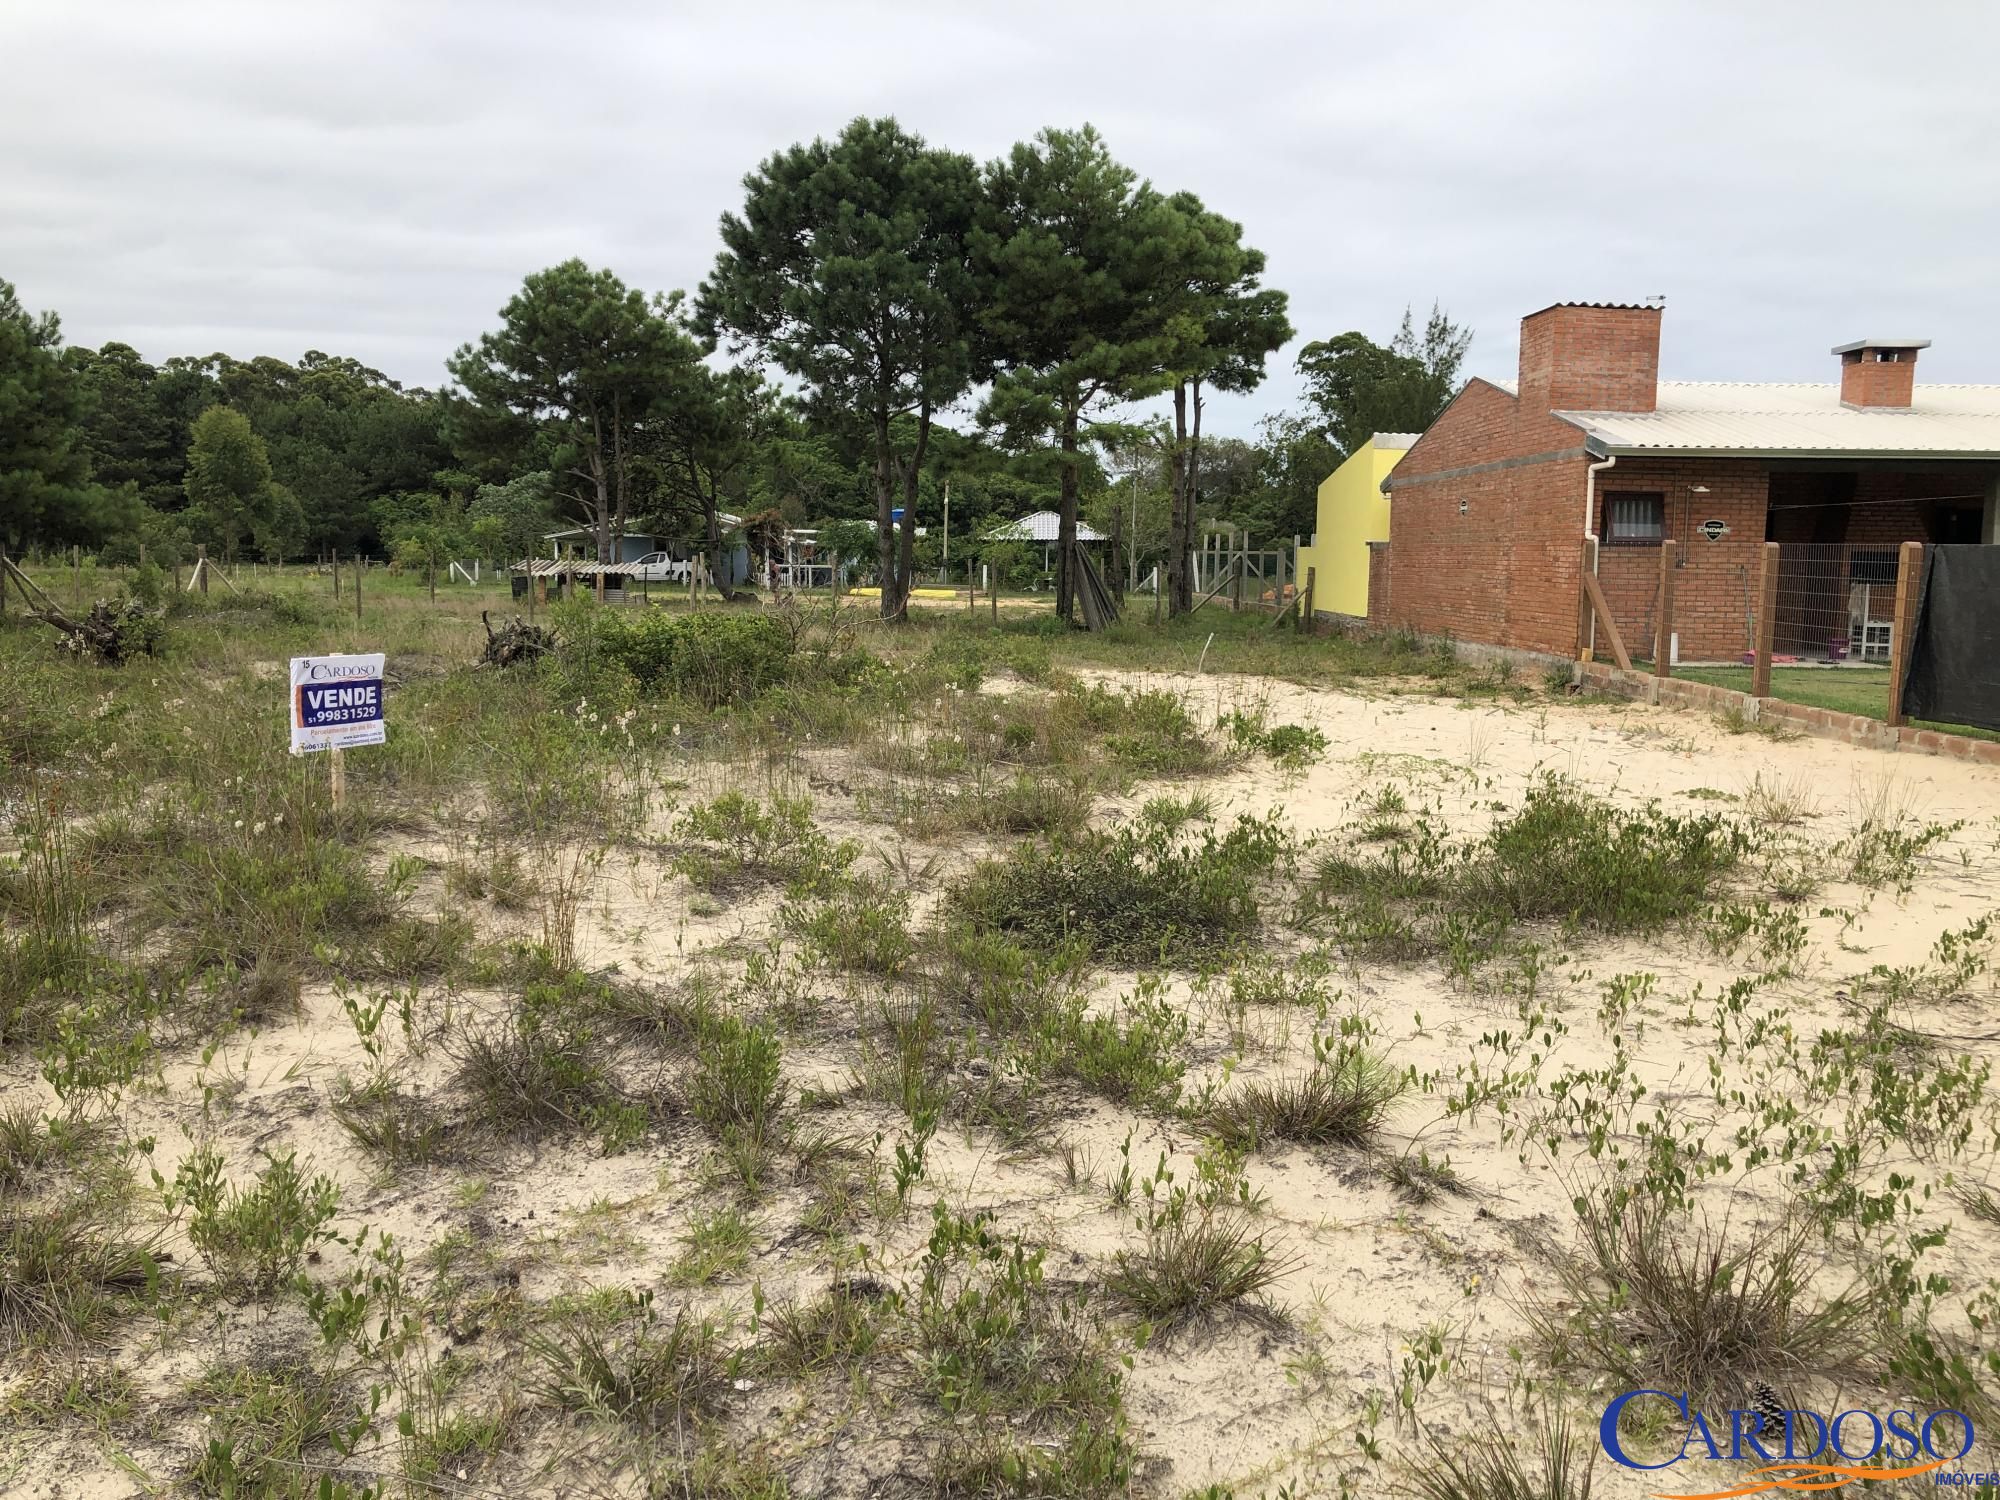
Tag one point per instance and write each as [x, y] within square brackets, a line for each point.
[1043, 527]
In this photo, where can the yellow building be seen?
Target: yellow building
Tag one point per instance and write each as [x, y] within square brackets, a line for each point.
[1353, 512]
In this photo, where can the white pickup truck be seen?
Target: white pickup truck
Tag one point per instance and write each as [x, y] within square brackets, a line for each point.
[659, 567]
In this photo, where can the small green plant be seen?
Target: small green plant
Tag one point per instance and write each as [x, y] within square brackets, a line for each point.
[736, 841]
[258, 1237]
[736, 1087]
[856, 924]
[1293, 746]
[717, 1244]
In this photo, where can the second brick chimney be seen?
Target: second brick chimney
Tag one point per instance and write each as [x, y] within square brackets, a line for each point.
[1591, 356]
[1879, 372]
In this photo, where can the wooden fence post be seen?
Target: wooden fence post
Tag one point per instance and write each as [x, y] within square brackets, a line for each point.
[1587, 565]
[1909, 565]
[201, 567]
[3, 597]
[360, 565]
[1306, 600]
[1663, 634]
[1767, 621]
[336, 574]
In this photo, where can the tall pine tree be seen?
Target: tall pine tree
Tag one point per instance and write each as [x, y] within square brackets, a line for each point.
[849, 269]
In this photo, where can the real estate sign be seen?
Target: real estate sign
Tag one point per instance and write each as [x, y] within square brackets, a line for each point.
[337, 702]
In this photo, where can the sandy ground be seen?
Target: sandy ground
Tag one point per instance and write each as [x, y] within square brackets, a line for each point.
[1250, 1403]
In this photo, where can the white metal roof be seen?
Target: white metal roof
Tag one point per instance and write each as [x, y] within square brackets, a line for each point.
[1041, 526]
[1725, 416]
[1401, 440]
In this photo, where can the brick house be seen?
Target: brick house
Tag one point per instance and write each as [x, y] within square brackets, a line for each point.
[1494, 508]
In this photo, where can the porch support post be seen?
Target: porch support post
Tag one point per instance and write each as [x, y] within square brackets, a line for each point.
[1767, 621]
[1989, 522]
[1909, 567]
[1663, 634]
[1584, 638]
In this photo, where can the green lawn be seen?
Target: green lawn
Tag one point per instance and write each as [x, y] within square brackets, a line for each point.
[1848, 690]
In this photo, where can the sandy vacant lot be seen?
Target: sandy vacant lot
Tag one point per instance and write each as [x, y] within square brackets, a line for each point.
[1395, 1312]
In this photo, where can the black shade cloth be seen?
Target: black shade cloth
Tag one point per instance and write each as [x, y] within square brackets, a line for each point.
[1954, 674]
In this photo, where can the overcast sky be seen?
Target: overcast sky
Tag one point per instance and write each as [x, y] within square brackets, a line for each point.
[375, 180]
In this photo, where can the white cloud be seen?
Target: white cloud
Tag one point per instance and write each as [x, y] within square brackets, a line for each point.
[375, 180]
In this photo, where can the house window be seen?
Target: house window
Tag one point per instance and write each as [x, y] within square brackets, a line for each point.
[1637, 518]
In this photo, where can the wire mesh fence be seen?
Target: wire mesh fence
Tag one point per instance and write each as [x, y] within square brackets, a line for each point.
[1836, 602]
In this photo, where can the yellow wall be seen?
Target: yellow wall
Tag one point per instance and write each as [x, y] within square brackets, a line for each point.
[1353, 512]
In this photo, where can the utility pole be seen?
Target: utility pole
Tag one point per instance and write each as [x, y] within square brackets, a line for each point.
[1132, 546]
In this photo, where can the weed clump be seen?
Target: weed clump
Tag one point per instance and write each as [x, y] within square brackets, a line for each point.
[542, 1068]
[1696, 1311]
[633, 1365]
[64, 1273]
[1192, 1268]
[1136, 893]
[736, 841]
[1562, 856]
[1342, 1101]
[858, 924]
[1559, 1465]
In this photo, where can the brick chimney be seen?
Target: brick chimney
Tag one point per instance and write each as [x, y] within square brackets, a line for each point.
[1591, 356]
[1879, 372]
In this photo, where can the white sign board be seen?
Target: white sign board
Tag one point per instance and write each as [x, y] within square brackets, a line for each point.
[336, 702]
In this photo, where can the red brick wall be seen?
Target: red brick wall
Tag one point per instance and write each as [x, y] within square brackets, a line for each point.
[1491, 556]
[1867, 381]
[1591, 359]
[1716, 583]
[1378, 584]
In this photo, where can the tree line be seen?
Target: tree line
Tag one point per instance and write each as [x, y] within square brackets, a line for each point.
[872, 293]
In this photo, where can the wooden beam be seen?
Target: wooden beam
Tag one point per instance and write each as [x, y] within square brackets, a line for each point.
[1587, 569]
[1767, 622]
[1909, 570]
[1663, 631]
[1306, 608]
[1596, 596]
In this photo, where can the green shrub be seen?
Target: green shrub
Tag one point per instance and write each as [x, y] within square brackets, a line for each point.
[256, 1238]
[714, 658]
[860, 924]
[736, 1087]
[1406, 889]
[1136, 893]
[1568, 855]
[737, 840]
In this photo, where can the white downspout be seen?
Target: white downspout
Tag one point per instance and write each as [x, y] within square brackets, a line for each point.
[1590, 534]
